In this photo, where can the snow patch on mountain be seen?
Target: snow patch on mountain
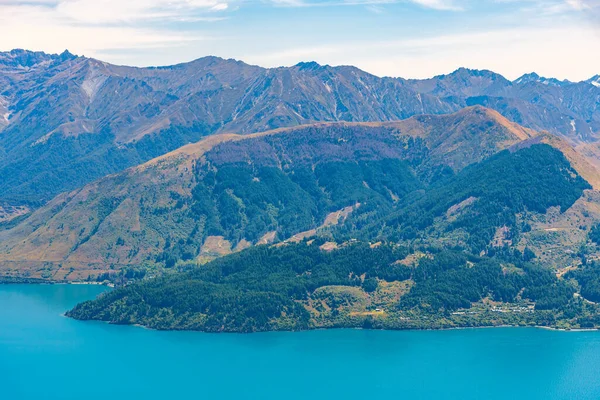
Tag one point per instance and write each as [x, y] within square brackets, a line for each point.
[594, 81]
[533, 77]
[4, 112]
[93, 82]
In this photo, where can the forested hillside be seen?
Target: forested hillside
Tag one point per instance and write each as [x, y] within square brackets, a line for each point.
[494, 193]
[299, 286]
[415, 254]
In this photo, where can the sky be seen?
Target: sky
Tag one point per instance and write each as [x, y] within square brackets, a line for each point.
[406, 38]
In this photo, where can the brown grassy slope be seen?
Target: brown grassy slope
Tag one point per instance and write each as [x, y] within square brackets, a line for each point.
[456, 140]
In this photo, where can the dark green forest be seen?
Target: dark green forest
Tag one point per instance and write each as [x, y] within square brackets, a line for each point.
[530, 180]
[267, 288]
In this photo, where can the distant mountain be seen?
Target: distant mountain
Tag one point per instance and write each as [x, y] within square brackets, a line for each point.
[66, 120]
[462, 83]
[533, 77]
[228, 192]
[24, 60]
[570, 110]
[594, 80]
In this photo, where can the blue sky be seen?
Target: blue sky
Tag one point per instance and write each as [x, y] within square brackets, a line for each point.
[408, 38]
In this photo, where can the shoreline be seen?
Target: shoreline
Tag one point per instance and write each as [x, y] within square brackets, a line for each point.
[35, 281]
[548, 328]
[38, 281]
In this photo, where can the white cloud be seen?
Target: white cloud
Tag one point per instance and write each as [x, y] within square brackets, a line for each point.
[220, 7]
[446, 5]
[578, 5]
[112, 11]
[439, 4]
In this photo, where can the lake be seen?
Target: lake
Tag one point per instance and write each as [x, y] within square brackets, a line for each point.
[44, 355]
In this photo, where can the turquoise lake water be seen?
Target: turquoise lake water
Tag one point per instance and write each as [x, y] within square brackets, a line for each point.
[44, 355]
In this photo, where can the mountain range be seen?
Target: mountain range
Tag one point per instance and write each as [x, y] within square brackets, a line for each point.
[68, 120]
[222, 196]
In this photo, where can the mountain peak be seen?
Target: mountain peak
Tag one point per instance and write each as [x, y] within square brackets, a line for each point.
[527, 77]
[463, 81]
[517, 130]
[533, 77]
[23, 59]
[309, 66]
[204, 62]
[595, 80]
[66, 55]
[481, 73]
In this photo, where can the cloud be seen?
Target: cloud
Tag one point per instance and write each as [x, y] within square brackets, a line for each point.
[590, 9]
[578, 5]
[586, 6]
[220, 7]
[439, 4]
[374, 8]
[113, 12]
[446, 5]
